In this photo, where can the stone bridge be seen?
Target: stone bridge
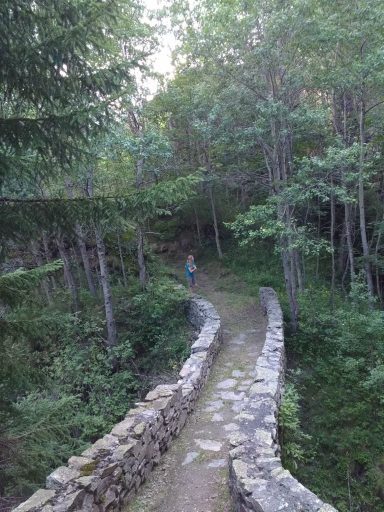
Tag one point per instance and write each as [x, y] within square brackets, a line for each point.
[240, 411]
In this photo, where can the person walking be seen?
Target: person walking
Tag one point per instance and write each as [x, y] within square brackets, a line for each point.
[190, 270]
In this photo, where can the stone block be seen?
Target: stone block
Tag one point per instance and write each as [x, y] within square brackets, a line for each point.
[101, 448]
[139, 430]
[46, 508]
[102, 485]
[161, 391]
[84, 464]
[124, 428]
[71, 501]
[107, 470]
[125, 450]
[237, 438]
[111, 497]
[240, 468]
[37, 500]
[61, 477]
[89, 504]
[86, 482]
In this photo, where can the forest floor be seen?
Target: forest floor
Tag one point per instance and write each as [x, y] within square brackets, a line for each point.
[193, 475]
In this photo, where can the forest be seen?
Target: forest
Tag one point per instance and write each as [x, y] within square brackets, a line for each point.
[262, 148]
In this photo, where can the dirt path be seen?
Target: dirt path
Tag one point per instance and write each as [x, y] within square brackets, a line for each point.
[192, 476]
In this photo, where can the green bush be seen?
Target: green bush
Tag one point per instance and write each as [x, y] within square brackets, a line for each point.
[291, 437]
[61, 388]
[340, 351]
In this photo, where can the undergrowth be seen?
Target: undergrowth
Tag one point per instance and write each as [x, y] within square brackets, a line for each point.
[62, 389]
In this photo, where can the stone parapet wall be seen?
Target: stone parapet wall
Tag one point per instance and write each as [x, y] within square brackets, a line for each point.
[258, 482]
[107, 475]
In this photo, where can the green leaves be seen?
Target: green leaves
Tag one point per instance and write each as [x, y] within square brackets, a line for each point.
[291, 435]
[60, 69]
[340, 384]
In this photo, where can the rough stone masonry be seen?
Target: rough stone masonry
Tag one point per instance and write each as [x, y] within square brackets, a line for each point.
[107, 475]
[257, 480]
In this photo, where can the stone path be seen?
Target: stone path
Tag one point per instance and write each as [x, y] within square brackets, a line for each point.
[192, 476]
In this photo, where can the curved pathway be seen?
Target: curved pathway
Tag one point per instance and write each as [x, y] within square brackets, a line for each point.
[192, 476]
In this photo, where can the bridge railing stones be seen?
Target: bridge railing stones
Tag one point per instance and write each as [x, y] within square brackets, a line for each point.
[257, 480]
[107, 475]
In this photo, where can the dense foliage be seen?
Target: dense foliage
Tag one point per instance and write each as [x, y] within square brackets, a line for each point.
[340, 351]
[62, 388]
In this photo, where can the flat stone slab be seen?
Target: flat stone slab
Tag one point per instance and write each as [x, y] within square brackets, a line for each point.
[230, 395]
[231, 427]
[237, 407]
[238, 373]
[37, 500]
[218, 463]
[61, 476]
[217, 417]
[214, 406]
[227, 384]
[208, 444]
[190, 457]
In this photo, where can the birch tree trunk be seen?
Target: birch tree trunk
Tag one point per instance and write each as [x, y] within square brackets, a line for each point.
[197, 227]
[104, 278]
[68, 276]
[104, 275]
[215, 225]
[85, 259]
[80, 239]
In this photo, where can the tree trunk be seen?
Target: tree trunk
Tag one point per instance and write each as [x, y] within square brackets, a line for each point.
[342, 251]
[363, 229]
[104, 274]
[333, 242]
[140, 230]
[215, 225]
[141, 257]
[80, 238]
[290, 287]
[68, 276]
[377, 249]
[105, 285]
[347, 215]
[197, 227]
[39, 261]
[122, 261]
[74, 254]
[85, 259]
[299, 272]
